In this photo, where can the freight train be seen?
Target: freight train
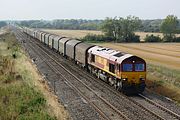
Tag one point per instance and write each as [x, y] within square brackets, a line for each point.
[126, 72]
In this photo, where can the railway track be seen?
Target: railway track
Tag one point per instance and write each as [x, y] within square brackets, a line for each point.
[96, 98]
[160, 106]
[176, 116]
[120, 95]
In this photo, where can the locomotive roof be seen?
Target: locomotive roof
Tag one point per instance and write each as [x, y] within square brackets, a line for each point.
[108, 53]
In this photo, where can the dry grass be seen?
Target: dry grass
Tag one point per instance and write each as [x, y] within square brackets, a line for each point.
[3, 30]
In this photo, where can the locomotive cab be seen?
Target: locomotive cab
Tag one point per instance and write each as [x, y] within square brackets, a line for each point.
[125, 72]
[133, 74]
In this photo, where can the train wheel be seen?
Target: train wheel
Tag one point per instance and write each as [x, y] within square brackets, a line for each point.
[98, 76]
[107, 80]
[111, 81]
[119, 85]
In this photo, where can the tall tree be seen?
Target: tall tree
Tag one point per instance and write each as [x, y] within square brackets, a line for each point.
[121, 29]
[168, 27]
[109, 27]
[129, 25]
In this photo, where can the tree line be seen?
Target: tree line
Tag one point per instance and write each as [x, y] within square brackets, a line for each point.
[81, 24]
[122, 30]
[117, 29]
[72, 24]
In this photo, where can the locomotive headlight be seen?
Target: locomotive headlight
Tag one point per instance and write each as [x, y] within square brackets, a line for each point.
[124, 79]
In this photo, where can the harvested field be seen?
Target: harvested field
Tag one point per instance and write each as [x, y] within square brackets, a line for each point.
[82, 33]
[72, 33]
[143, 34]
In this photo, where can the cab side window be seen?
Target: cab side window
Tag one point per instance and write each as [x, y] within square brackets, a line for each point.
[112, 68]
[92, 58]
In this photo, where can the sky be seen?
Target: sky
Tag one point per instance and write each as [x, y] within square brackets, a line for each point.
[86, 9]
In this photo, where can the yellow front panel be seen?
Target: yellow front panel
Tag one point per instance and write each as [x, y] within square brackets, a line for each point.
[133, 77]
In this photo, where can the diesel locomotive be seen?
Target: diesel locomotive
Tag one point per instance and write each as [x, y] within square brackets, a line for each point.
[126, 72]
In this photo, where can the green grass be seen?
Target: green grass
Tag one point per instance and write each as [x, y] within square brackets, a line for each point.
[166, 75]
[164, 81]
[19, 99]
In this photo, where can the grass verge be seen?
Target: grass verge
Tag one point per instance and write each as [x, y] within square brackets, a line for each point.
[22, 94]
[164, 81]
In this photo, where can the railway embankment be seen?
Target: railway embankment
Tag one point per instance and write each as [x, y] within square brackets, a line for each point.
[23, 92]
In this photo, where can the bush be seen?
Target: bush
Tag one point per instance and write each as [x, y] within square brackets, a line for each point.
[152, 38]
[177, 31]
[134, 38]
[97, 38]
[104, 38]
[171, 39]
[177, 39]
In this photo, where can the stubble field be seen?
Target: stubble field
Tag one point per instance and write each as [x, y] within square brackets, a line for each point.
[72, 33]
